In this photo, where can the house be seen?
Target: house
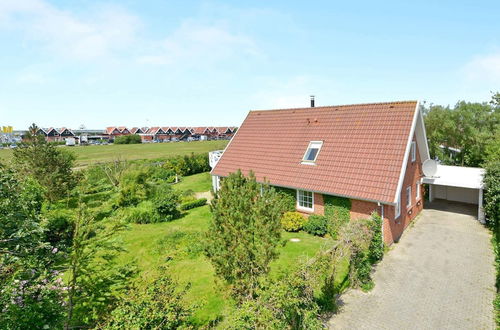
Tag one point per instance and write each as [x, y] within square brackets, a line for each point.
[371, 154]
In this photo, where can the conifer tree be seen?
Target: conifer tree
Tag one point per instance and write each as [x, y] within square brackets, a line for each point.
[245, 231]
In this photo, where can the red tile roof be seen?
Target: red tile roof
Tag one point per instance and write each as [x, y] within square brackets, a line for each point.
[361, 157]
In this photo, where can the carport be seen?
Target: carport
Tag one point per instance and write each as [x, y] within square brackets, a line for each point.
[458, 184]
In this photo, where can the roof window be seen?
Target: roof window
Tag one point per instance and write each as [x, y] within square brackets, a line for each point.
[312, 152]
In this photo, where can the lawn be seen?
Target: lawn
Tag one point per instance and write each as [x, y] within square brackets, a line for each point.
[198, 183]
[179, 244]
[86, 155]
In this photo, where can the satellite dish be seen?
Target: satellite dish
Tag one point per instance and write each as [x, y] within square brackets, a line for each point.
[429, 167]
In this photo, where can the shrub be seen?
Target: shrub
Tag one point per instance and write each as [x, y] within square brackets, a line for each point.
[159, 306]
[288, 197]
[128, 139]
[337, 210]
[145, 212]
[192, 204]
[58, 227]
[376, 248]
[316, 225]
[188, 164]
[165, 202]
[292, 221]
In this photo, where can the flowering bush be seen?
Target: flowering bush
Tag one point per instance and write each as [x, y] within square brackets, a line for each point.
[34, 301]
[292, 221]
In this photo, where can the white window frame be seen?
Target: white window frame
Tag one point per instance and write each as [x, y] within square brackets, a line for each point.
[418, 191]
[305, 208]
[398, 208]
[413, 151]
[319, 144]
[408, 197]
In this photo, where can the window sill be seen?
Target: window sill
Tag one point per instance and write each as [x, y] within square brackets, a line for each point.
[305, 209]
[304, 162]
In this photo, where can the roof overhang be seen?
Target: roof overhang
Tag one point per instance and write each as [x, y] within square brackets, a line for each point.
[457, 176]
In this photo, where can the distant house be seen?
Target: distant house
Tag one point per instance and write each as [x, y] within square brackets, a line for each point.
[371, 154]
[136, 130]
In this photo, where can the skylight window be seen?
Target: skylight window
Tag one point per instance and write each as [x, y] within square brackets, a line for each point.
[312, 151]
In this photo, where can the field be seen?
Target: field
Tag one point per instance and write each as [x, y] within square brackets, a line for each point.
[104, 153]
[179, 242]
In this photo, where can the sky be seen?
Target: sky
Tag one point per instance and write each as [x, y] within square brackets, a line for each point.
[195, 63]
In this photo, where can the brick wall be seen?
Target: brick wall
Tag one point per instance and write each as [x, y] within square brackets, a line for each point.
[393, 228]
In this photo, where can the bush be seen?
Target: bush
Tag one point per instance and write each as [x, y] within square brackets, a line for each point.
[192, 204]
[376, 248]
[188, 165]
[159, 306]
[316, 225]
[292, 221]
[288, 197]
[58, 227]
[337, 210]
[145, 212]
[128, 139]
[165, 202]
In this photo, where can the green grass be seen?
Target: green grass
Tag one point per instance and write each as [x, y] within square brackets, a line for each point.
[178, 244]
[86, 155]
[198, 183]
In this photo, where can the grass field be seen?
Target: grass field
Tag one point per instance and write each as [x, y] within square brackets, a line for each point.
[179, 244]
[104, 153]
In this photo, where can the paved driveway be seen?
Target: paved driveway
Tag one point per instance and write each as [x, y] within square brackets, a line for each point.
[440, 276]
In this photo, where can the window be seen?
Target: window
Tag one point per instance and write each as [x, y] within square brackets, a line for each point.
[305, 199]
[398, 208]
[418, 191]
[413, 151]
[408, 196]
[312, 151]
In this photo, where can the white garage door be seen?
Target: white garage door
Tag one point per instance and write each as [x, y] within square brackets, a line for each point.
[457, 194]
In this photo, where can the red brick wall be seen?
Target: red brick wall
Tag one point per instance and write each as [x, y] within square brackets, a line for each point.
[393, 228]
[362, 209]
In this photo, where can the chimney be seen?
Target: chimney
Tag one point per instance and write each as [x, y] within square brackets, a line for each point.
[312, 101]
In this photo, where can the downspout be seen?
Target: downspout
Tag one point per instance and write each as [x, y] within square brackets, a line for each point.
[382, 224]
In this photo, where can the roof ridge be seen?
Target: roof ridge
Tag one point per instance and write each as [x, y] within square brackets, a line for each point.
[337, 106]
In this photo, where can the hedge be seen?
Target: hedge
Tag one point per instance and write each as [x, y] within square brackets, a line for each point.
[192, 204]
[337, 210]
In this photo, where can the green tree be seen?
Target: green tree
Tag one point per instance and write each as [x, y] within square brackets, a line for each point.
[49, 165]
[467, 127]
[31, 293]
[93, 275]
[128, 139]
[244, 232]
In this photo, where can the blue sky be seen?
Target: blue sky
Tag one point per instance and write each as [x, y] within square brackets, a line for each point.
[189, 63]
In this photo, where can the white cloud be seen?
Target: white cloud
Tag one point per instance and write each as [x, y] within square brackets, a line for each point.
[104, 31]
[195, 44]
[485, 67]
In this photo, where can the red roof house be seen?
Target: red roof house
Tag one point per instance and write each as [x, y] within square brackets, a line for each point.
[371, 154]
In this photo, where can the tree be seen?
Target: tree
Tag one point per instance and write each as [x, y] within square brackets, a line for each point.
[244, 232]
[93, 275]
[50, 166]
[31, 294]
[467, 127]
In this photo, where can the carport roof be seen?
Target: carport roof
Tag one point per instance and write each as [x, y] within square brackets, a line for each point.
[457, 176]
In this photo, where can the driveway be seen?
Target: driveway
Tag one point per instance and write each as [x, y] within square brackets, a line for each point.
[439, 276]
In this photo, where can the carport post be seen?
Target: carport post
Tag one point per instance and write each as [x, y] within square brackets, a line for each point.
[431, 195]
[480, 211]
